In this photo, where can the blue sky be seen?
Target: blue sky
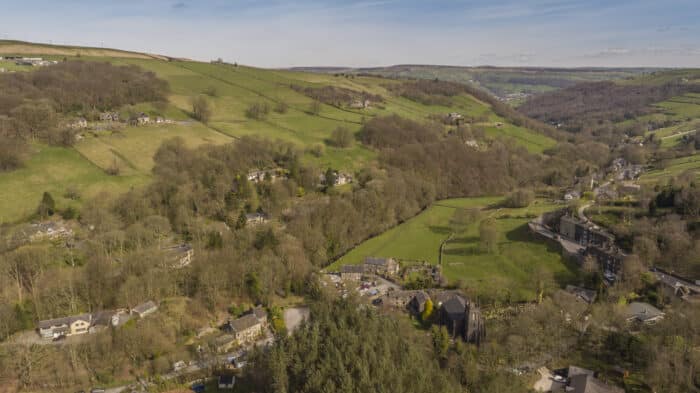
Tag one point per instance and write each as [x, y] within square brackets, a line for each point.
[375, 32]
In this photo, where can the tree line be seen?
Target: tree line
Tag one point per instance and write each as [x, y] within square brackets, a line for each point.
[593, 108]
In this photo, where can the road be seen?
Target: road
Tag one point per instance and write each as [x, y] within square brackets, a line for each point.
[582, 211]
[679, 134]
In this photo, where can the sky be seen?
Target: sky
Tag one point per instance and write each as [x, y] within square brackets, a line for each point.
[366, 33]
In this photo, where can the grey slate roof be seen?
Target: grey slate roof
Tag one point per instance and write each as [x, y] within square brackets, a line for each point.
[587, 295]
[64, 321]
[455, 307]
[584, 383]
[260, 313]
[226, 339]
[352, 269]
[642, 311]
[144, 307]
[244, 323]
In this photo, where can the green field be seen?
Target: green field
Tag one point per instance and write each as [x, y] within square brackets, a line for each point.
[10, 66]
[673, 168]
[521, 256]
[54, 169]
[133, 148]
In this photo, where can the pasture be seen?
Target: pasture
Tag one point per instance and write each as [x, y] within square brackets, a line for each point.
[510, 272]
[671, 168]
[55, 169]
[132, 149]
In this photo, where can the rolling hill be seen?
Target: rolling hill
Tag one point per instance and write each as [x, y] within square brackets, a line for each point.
[232, 90]
[509, 83]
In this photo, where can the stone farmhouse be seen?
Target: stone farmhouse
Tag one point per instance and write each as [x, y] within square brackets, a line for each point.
[91, 323]
[256, 218]
[67, 326]
[454, 119]
[643, 313]
[381, 266]
[109, 116]
[247, 328]
[179, 256]
[371, 265]
[49, 230]
[260, 175]
[352, 272]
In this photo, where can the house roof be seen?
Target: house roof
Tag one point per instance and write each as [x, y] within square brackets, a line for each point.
[103, 317]
[46, 324]
[575, 370]
[455, 307]
[244, 323]
[144, 307]
[642, 311]
[587, 295]
[224, 340]
[584, 383]
[352, 269]
[260, 312]
[421, 297]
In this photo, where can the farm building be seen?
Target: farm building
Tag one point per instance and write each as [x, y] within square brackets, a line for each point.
[352, 272]
[67, 326]
[381, 266]
[144, 309]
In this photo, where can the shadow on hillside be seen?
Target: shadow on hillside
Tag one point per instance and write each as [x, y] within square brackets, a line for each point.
[463, 251]
[523, 234]
[439, 229]
[465, 239]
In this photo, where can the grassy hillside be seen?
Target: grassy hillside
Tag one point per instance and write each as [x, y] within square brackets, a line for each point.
[232, 90]
[519, 258]
[11, 47]
[673, 168]
[56, 169]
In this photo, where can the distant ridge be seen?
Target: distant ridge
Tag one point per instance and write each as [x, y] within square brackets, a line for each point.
[15, 47]
[399, 67]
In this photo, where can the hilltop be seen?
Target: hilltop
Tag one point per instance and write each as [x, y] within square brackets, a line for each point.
[13, 47]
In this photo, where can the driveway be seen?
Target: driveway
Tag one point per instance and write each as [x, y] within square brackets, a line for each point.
[294, 316]
[546, 383]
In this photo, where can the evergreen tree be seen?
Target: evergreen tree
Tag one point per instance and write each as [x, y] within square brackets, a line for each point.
[428, 311]
[47, 206]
